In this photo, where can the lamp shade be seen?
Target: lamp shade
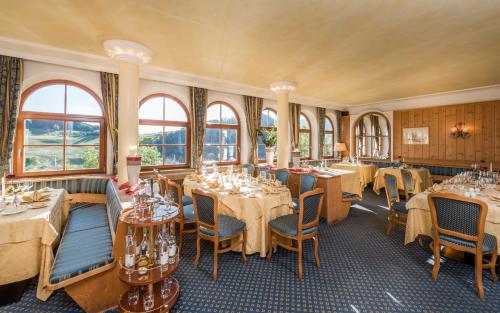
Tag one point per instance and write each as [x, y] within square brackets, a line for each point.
[340, 147]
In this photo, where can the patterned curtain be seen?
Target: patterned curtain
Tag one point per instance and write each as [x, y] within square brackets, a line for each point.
[338, 130]
[11, 76]
[198, 112]
[321, 130]
[295, 124]
[109, 87]
[253, 111]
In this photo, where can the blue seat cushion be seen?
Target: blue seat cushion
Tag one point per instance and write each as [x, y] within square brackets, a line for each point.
[81, 252]
[400, 207]
[489, 241]
[87, 216]
[228, 226]
[187, 201]
[189, 213]
[287, 224]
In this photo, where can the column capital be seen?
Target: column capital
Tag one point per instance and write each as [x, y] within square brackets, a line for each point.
[127, 51]
[283, 86]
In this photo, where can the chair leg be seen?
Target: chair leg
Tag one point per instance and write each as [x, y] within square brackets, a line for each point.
[181, 237]
[437, 260]
[216, 259]
[197, 258]
[299, 251]
[479, 275]
[493, 265]
[389, 224]
[270, 248]
[244, 246]
[316, 255]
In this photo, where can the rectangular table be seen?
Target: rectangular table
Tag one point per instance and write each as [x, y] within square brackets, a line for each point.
[366, 171]
[422, 178]
[350, 180]
[256, 212]
[27, 240]
[419, 216]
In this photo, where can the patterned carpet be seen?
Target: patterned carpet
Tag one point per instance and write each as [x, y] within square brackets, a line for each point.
[362, 270]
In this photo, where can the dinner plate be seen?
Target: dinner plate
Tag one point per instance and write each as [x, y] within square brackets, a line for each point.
[12, 211]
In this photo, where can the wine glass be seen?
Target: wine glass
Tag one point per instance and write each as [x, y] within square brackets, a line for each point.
[149, 301]
[133, 296]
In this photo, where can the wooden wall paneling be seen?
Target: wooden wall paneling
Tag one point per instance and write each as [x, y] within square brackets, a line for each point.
[442, 133]
[425, 123]
[488, 136]
[404, 124]
[478, 131]
[497, 132]
[346, 134]
[451, 143]
[398, 134]
[434, 135]
[469, 119]
[411, 123]
[417, 122]
[460, 141]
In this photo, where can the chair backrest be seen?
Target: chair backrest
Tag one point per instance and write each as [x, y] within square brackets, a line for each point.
[162, 184]
[307, 182]
[391, 189]
[282, 176]
[177, 193]
[206, 208]
[113, 205]
[407, 181]
[250, 168]
[310, 203]
[264, 169]
[457, 216]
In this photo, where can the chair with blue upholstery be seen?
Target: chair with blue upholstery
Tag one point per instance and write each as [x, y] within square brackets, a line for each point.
[264, 169]
[282, 176]
[407, 183]
[298, 227]
[216, 227]
[307, 183]
[458, 223]
[397, 209]
[186, 213]
[250, 169]
[163, 186]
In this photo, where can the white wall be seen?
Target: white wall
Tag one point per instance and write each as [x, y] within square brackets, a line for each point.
[35, 72]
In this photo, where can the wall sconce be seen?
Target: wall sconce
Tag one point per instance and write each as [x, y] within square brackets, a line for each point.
[460, 131]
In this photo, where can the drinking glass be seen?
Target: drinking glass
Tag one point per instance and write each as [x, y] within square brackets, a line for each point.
[165, 288]
[133, 296]
[149, 301]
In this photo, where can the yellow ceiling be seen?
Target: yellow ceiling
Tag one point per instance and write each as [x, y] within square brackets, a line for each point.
[346, 51]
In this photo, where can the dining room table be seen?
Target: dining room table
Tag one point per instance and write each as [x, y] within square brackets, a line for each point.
[350, 180]
[252, 200]
[366, 171]
[419, 216]
[28, 233]
[421, 177]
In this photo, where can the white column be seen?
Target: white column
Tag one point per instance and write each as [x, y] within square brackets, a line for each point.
[130, 56]
[282, 90]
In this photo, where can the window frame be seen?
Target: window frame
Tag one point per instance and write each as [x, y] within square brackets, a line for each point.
[268, 129]
[329, 132]
[18, 152]
[306, 131]
[163, 123]
[220, 126]
[355, 137]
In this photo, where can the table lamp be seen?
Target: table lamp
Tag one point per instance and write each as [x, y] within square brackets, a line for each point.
[340, 147]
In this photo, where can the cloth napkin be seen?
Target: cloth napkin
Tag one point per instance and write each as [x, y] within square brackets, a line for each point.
[34, 196]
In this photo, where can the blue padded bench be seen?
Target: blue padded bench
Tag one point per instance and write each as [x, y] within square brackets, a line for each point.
[86, 246]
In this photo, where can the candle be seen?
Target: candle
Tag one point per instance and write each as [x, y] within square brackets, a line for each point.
[3, 185]
[132, 151]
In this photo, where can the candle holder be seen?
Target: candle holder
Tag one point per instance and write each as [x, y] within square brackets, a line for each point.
[133, 169]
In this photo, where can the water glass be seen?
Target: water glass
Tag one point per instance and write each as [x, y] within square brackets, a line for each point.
[165, 288]
[133, 296]
[149, 301]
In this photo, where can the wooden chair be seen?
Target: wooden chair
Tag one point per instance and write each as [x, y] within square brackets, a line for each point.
[186, 213]
[282, 176]
[263, 169]
[307, 183]
[458, 222]
[397, 209]
[216, 227]
[250, 169]
[299, 227]
[407, 183]
[163, 186]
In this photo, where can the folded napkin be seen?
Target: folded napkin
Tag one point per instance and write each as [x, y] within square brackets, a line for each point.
[494, 198]
[234, 189]
[34, 196]
[268, 189]
[437, 188]
[46, 189]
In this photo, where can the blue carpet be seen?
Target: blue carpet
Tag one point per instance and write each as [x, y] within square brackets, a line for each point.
[362, 270]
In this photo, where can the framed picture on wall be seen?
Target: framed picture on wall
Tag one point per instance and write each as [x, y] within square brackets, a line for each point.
[416, 136]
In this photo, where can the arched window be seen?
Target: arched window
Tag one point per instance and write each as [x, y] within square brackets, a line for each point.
[372, 136]
[163, 132]
[268, 121]
[60, 130]
[222, 134]
[328, 141]
[305, 137]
